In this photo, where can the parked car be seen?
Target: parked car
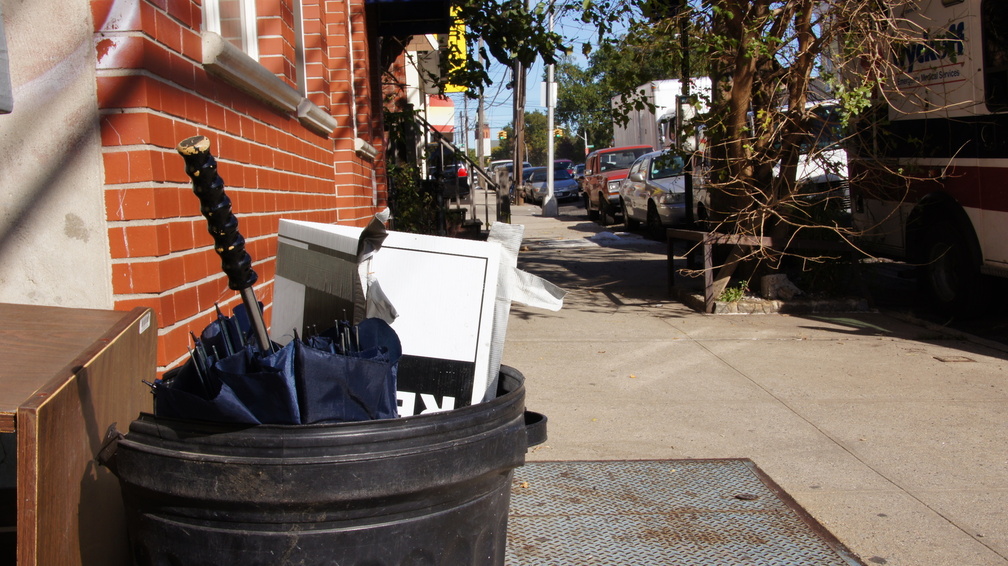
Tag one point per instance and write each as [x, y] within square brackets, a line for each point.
[444, 165]
[605, 169]
[565, 164]
[506, 164]
[494, 165]
[579, 175]
[520, 187]
[654, 193]
[507, 169]
[535, 186]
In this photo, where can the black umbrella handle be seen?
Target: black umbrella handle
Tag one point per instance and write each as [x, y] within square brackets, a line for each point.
[223, 226]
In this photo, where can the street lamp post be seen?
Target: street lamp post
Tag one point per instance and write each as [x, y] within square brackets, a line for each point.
[549, 204]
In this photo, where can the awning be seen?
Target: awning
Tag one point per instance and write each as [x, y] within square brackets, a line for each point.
[411, 17]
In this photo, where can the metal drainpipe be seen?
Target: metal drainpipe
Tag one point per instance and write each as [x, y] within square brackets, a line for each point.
[350, 58]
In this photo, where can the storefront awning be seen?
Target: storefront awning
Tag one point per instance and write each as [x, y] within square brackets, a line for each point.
[411, 17]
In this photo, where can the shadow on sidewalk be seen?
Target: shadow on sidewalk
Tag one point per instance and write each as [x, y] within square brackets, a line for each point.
[606, 270]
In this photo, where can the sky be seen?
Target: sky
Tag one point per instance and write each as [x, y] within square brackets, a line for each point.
[497, 99]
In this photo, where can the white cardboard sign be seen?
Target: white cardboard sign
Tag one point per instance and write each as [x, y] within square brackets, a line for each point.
[443, 290]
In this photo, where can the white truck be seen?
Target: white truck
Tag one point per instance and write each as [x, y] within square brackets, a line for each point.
[656, 127]
[947, 118]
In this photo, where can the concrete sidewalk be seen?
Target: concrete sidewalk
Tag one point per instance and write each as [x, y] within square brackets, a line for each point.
[889, 433]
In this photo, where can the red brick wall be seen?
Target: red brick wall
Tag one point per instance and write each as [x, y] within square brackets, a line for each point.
[153, 92]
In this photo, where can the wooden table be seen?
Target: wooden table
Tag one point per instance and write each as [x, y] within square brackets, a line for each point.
[66, 375]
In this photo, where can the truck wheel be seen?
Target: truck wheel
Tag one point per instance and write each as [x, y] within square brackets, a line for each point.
[950, 273]
[592, 214]
[628, 223]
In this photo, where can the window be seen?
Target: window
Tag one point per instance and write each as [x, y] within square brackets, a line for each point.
[994, 14]
[231, 51]
[235, 21]
[666, 165]
[637, 166]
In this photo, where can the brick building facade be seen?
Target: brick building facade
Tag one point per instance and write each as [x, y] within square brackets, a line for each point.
[288, 92]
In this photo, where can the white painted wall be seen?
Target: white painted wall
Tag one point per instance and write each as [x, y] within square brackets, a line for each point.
[53, 235]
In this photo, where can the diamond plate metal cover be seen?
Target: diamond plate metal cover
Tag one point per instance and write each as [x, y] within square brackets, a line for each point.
[660, 512]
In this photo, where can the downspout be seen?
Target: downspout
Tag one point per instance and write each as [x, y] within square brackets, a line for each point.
[362, 148]
[353, 77]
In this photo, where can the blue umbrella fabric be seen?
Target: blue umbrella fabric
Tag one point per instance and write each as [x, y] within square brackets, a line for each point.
[320, 374]
[347, 373]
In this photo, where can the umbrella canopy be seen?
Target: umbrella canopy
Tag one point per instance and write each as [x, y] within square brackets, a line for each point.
[347, 373]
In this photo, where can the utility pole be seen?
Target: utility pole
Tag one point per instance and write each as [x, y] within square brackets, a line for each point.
[465, 147]
[549, 205]
[480, 156]
[519, 123]
[688, 172]
[480, 124]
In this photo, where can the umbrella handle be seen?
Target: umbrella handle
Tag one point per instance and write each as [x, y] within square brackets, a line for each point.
[229, 244]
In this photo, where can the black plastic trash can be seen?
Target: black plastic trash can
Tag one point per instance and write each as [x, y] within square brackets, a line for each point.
[421, 490]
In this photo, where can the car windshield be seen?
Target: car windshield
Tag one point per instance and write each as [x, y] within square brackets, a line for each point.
[666, 165]
[621, 159]
[561, 175]
[826, 130]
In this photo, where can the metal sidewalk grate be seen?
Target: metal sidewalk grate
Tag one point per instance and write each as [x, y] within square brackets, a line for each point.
[660, 512]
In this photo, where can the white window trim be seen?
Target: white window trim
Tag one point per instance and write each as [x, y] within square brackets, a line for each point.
[241, 68]
[250, 33]
[222, 59]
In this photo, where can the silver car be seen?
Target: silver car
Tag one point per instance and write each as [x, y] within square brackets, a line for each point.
[654, 193]
[564, 185]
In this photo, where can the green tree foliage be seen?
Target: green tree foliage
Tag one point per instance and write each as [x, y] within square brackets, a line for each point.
[765, 57]
[770, 61]
[535, 140]
[413, 208]
[766, 60]
[583, 103]
[511, 32]
[536, 136]
[648, 51]
[505, 148]
[570, 147]
[566, 147]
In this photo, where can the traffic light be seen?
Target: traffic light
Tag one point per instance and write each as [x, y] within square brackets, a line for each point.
[502, 135]
[558, 133]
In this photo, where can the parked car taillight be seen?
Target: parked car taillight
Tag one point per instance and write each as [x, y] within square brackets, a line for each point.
[462, 171]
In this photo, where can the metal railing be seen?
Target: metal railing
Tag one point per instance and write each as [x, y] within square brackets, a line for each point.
[489, 183]
[457, 152]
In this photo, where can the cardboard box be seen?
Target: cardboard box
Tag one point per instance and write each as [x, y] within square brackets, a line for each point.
[443, 289]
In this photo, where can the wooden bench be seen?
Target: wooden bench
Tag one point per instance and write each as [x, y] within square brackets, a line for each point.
[708, 240]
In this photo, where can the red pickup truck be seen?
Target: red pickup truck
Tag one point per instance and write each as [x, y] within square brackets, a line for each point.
[605, 169]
